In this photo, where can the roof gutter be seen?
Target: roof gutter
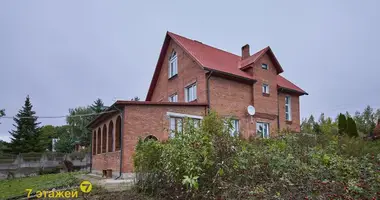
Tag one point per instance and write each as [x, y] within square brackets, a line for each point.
[283, 89]
[231, 75]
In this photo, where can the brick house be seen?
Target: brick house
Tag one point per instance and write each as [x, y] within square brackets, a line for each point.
[191, 78]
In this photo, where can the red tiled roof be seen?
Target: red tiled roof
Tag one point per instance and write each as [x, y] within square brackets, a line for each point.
[286, 84]
[210, 57]
[216, 59]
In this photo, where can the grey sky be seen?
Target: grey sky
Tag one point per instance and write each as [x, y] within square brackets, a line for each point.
[68, 53]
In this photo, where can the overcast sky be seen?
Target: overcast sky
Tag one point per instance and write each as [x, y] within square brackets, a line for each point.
[68, 53]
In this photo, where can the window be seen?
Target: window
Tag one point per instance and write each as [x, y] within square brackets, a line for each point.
[288, 108]
[265, 88]
[232, 126]
[197, 122]
[264, 66]
[175, 126]
[173, 98]
[173, 68]
[235, 127]
[177, 121]
[191, 93]
[262, 129]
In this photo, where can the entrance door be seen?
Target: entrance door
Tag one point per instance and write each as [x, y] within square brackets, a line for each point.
[262, 129]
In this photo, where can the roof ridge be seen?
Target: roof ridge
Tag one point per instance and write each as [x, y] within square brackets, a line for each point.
[257, 52]
[203, 44]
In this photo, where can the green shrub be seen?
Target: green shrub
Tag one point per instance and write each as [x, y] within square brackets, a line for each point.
[208, 163]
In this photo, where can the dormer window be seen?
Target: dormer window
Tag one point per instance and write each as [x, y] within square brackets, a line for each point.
[264, 66]
[173, 67]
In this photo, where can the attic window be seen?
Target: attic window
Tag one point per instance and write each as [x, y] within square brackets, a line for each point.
[264, 66]
[173, 68]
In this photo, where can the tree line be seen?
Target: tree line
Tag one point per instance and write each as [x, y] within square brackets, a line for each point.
[29, 136]
[360, 124]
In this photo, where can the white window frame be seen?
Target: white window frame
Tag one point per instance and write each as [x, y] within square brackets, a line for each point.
[265, 88]
[191, 92]
[266, 132]
[173, 98]
[288, 108]
[264, 66]
[176, 122]
[235, 127]
[173, 65]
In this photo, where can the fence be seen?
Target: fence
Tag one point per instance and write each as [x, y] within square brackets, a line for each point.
[30, 164]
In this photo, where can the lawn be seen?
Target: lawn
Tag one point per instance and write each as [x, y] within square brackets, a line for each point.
[16, 187]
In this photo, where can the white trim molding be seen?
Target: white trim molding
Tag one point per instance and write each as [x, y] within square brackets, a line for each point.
[180, 115]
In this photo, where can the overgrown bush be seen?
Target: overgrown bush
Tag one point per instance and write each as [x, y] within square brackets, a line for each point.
[208, 163]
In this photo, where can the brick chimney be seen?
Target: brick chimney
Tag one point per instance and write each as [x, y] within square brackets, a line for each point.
[245, 52]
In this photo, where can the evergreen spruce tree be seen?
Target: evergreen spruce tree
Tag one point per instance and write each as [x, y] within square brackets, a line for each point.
[97, 106]
[351, 127]
[26, 136]
[136, 98]
[342, 124]
[316, 128]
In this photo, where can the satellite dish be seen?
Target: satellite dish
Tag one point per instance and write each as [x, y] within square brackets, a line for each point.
[251, 110]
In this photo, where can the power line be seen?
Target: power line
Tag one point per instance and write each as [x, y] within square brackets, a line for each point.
[56, 117]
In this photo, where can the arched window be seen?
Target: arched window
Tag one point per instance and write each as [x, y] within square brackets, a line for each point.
[104, 139]
[117, 134]
[94, 143]
[98, 140]
[150, 137]
[110, 137]
[173, 65]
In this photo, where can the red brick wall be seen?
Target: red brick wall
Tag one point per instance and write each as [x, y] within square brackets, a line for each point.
[110, 160]
[188, 72]
[107, 160]
[144, 120]
[265, 104]
[230, 98]
[262, 103]
[294, 125]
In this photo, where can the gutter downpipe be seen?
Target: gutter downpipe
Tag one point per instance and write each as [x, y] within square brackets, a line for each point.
[208, 91]
[121, 140]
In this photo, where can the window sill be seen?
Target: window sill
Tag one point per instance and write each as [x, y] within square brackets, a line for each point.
[266, 95]
[173, 77]
[288, 122]
[193, 101]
